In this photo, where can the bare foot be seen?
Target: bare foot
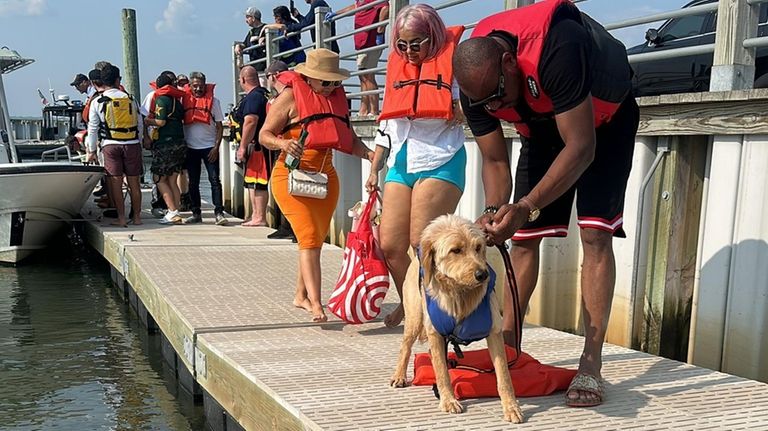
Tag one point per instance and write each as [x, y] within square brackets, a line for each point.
[303, 303]
[120, 223]
[252, 224]
[318, 315]
[394, 318]
[136, 221]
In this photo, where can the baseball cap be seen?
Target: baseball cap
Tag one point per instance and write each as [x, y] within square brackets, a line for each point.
[182, 78]
[252, 11]
[78, 79]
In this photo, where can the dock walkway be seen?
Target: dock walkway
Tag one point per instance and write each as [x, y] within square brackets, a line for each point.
[222, 297]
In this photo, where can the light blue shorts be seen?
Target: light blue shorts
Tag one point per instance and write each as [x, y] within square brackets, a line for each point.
[454, 171]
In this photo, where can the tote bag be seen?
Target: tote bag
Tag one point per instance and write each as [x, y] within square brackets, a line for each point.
[364, 278]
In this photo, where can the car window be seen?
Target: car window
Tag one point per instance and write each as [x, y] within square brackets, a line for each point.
[683, 27]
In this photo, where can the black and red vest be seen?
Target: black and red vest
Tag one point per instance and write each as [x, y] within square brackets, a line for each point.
[611, 76]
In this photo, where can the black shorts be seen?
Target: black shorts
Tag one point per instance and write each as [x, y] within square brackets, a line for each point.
[601, 188]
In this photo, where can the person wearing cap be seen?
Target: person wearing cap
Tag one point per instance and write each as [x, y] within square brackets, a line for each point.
[422, 141]
[181, 81]
[83, 85]
[253, 19]
[315, 107]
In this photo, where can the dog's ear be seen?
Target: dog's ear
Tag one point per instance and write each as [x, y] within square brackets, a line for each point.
[427, 259]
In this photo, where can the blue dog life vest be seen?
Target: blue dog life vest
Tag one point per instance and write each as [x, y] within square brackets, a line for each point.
[474, 327]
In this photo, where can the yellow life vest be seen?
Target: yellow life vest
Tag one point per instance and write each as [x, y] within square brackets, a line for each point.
[121, 119]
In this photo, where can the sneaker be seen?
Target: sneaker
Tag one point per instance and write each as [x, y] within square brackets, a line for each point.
[195, 218]
[158, 212]
[280, 234]
[100, 192]
[221, 220]
[172, 218]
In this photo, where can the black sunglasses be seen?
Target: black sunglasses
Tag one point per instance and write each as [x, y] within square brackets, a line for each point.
[331, 83]
[403, 45]
[497, 95]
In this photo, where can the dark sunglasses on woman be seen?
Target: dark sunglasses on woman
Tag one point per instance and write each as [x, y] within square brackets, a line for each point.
[403, 45]
[331, 83]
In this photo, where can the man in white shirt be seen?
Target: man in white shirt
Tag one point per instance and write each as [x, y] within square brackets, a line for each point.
[114, 118]
[203, 131]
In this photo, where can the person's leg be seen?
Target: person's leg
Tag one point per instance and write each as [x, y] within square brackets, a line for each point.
[525, 261]
[134, 187]
[116, 188]
[364, 109]
[368, 83]
[193, 172]
[182, 182]
[394, 234]
[214, 178]
[260, 200]
[309, 265]
[165, 186]
[174, 188]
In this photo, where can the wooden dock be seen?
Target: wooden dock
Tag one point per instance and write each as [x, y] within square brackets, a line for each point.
[221, 296]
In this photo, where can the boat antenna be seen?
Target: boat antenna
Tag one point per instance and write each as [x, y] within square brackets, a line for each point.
[51, 91]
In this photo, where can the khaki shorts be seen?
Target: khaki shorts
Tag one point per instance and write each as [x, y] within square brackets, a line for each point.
[368, 60]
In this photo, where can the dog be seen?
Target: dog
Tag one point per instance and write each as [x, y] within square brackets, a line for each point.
[455, 276]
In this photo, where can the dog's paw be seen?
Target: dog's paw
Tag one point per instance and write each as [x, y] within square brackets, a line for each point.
[398, 382]
[512, 412]
[451, 406]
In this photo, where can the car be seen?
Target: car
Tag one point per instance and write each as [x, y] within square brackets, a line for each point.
[690, 73]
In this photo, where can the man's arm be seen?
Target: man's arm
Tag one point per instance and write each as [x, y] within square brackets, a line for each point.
[92, 139]
[250, 123]
[497, 177]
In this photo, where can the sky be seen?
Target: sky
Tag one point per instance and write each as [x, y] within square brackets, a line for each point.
[66, 37]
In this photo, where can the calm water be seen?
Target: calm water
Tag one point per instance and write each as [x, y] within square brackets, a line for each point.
[73, 357]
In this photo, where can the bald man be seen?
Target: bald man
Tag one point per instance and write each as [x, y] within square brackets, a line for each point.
[566, 87]
[250, 113]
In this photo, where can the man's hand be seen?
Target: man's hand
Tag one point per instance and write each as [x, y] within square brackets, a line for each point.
[329, 16]
[240, 156]
[504, 223]
[213, 155]
[239, 48]
[90, 157]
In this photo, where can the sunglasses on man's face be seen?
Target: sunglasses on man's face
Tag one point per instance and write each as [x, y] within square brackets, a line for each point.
[403, 45]
[496, 95]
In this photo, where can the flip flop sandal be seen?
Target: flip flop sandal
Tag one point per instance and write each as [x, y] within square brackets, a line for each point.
[586, 383]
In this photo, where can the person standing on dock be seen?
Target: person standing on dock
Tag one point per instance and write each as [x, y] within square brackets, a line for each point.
[203, 130]
[114, 117]
[314, 111]
[422, 141]
[565, 83]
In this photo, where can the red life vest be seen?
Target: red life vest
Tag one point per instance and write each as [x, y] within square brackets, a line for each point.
[325, 118]
[166, 90]
[421, 91]
[198, 109]
[530, 24]
[87, 107]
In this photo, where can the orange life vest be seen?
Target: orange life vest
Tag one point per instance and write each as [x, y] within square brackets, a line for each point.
[421, 91]
[611, 73]
[198, 109]
[473, 375]
[87, 107]
[325, 118]
[166, 90]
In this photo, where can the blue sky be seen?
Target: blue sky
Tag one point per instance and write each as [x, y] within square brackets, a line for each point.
[68, 36]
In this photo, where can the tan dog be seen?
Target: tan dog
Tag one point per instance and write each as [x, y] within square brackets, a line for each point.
[456, 276]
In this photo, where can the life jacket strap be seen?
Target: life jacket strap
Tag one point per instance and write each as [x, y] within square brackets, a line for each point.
[439, 83]
[315, 117]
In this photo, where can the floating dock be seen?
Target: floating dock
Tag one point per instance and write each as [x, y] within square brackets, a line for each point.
[222, 298]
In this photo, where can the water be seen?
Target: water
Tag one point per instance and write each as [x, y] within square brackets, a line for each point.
[73, 357]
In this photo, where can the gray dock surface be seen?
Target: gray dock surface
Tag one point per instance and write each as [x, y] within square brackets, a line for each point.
[222, 296]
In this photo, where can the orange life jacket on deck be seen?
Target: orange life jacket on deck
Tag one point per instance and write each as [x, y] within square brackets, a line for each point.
[198, 109]
[611, 76]
[325, 118]
[473, 375]
[421, 91]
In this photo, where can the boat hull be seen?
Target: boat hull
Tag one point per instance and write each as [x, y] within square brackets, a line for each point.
[38, 199]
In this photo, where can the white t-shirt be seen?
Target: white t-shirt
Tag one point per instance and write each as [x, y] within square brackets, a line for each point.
[200, 136]
[95, 118]
[145, 104]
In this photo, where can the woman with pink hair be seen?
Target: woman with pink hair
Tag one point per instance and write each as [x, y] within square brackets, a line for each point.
[420, 137]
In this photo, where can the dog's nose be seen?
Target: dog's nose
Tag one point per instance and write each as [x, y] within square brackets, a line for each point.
[481, 274]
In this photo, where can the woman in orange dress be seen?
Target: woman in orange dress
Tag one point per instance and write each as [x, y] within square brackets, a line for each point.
[315, 102]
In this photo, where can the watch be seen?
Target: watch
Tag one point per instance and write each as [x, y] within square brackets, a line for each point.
[533, 212]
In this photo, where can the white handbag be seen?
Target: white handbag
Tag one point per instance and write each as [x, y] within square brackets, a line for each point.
[308, 184]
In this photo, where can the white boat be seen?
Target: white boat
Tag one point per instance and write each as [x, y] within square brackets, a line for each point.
[36, 198]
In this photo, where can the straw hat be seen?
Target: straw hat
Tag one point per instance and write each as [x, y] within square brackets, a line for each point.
[322, 64]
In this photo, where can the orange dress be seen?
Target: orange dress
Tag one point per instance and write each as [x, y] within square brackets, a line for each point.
[309, 217]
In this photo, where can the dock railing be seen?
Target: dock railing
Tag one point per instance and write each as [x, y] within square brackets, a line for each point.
[689, 272]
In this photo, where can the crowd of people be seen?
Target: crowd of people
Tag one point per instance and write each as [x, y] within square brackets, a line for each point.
[565, 86]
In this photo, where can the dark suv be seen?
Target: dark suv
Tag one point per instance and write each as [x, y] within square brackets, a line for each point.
[688, 73]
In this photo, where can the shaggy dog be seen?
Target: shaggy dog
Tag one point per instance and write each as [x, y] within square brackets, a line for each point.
[456, 277]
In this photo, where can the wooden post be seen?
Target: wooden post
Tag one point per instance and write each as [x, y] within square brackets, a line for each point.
[734, 66]
[513, 4]
[322, 28]
[130, 55]
[673, 248]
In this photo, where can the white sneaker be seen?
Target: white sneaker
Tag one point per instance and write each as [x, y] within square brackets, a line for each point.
[172, 217]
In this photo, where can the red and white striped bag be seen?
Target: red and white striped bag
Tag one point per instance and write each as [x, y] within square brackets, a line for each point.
[364, 278]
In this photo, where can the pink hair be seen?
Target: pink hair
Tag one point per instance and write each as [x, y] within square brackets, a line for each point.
[423, 19]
